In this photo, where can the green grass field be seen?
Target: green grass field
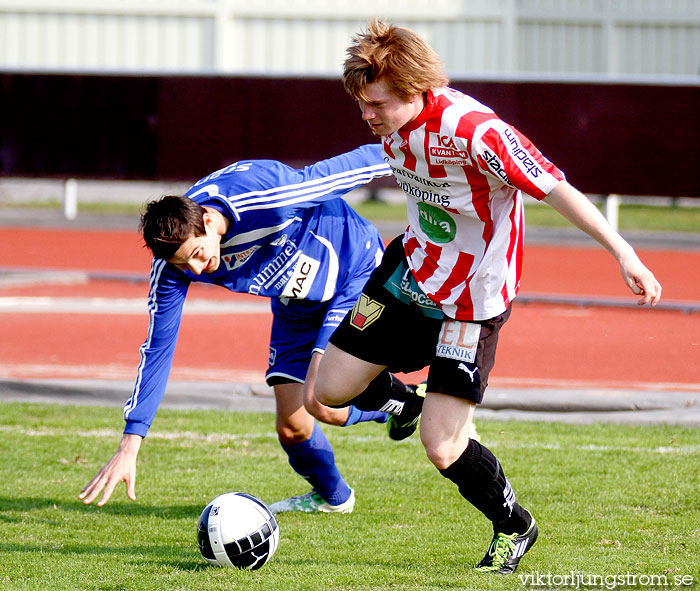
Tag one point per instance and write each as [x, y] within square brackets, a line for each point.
[611, 501]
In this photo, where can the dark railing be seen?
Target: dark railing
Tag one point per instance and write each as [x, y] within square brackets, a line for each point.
[632, 139]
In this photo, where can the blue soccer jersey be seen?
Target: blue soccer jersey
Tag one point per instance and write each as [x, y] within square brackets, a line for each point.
[289, 236]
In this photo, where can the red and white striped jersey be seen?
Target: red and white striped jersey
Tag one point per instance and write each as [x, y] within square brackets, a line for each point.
[463, 169]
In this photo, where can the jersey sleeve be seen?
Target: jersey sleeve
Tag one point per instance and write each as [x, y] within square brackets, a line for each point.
[272, 192]
[165, 301]
[338, 175]
[503, 153]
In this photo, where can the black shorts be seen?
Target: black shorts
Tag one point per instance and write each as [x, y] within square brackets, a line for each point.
[396, 325]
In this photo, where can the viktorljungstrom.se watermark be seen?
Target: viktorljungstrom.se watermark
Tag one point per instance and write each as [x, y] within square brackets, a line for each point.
[576, 580]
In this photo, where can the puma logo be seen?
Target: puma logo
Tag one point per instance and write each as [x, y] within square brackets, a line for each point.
[257, 559]
[470, 372]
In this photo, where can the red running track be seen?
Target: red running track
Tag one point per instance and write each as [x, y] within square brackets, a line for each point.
[541, 346]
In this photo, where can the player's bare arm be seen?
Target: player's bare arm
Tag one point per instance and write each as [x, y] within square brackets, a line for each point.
[121, 467]
[576, 208]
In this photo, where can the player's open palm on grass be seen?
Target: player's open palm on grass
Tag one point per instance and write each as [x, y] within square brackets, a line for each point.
[121, 467]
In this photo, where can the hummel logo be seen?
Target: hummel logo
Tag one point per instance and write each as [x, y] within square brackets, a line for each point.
[465, 368]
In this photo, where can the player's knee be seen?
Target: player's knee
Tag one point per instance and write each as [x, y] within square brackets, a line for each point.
[442, 454]
[290, 434]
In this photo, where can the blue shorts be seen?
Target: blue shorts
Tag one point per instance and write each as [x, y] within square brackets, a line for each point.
[302, 327]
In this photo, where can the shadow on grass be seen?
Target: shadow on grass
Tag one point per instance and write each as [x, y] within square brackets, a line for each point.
[15, 510]
[131, 509]
[159, 555]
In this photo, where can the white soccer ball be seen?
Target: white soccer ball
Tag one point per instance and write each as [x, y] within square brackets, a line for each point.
[237, 529]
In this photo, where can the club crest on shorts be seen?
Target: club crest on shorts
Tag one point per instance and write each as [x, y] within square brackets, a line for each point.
[365, 312]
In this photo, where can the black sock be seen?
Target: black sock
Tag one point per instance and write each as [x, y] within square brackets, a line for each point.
[481, 480]
[388, 394]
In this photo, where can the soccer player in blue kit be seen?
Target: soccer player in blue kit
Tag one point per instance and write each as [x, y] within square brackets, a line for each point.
[261, 227]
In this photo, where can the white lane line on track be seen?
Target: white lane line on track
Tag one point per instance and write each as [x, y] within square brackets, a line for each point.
[571, 384]
[125, 372]
[120, 306]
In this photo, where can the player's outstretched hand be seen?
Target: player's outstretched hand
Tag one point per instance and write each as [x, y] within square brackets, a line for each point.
[640, 280]
[121, 467]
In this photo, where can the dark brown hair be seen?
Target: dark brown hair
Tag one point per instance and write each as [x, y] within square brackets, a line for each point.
[168, 222]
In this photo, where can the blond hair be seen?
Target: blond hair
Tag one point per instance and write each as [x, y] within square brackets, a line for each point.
[409, 65]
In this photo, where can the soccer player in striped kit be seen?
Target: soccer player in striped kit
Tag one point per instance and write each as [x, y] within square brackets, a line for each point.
[445, 288]
[261, 227]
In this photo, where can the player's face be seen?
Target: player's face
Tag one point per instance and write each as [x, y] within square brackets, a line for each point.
[199, 254]
[386, 112]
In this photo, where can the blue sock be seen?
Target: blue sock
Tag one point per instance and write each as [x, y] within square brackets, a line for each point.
[314, 460]
[360, 416]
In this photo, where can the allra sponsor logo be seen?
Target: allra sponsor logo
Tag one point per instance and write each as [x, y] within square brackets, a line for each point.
[436, 223]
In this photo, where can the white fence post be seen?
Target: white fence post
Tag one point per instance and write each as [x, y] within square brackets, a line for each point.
[612, 209]
[70, 199]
